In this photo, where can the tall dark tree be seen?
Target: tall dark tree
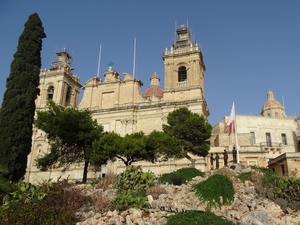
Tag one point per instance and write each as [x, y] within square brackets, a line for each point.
[191, 129]
[18, 106]
[71, 133]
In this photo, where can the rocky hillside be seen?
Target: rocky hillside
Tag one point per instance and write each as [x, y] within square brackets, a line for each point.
[247, 208]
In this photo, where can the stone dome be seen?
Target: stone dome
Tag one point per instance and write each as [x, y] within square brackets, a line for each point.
[154, 89]
[272, 107]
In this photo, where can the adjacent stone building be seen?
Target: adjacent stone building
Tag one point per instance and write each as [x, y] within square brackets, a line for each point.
[264, 140]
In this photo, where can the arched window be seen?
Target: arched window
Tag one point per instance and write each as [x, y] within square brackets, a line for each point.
[50, 92]
[182, 74]
[68, 95]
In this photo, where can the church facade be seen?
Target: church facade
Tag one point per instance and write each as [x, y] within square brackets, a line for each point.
[116, 102]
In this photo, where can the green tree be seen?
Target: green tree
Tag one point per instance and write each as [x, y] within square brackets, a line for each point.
[128, 149]
[192, 131]
[164, 146]
[18, 106]
[71, 133]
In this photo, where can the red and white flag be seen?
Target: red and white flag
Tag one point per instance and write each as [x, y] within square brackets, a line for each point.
[231, 120]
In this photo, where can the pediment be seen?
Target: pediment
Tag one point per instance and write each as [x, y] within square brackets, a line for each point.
[128, 76]
[92, 81]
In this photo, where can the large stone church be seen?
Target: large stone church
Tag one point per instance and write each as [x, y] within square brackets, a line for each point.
[117, 103]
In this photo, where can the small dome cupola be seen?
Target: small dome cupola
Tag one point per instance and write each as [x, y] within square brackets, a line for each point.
[272, 108]
[154, 90]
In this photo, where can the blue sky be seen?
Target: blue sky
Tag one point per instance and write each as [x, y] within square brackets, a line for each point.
[249, 47]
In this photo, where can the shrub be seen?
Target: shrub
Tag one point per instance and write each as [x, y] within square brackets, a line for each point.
[106, 182]
[102, 204]
[130, 199]
[57, 207]
[197, 217]
[131, 186]
[217, 190]
[156, 191]
[224, 171]
[33, 214]
[245, 176]
[269, 176]
[133, 178]
[187, 174]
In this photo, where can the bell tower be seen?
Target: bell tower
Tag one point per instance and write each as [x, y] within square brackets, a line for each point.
[184, 71]
[59, 83]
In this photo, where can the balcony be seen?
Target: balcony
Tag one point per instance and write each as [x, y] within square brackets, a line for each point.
[271, 146]
[182, 84]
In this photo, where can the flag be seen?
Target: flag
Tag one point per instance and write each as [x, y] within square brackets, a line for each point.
[231, 120]
[182, 26]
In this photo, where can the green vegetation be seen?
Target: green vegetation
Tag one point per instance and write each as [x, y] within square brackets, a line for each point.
[187, 174]
[217, 190]
[131, 186]
[45, 204]
[71, 133]
[245, 176]
[129, 149]
[191, 130]
[197, 218]
[18, 106]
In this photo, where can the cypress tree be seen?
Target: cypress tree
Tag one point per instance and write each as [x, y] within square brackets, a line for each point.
[18, 106]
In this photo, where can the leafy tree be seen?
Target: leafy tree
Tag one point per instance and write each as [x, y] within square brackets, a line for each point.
[129, 149]
[18, 106]
[192, 131]
[164, 146]
[71, 133]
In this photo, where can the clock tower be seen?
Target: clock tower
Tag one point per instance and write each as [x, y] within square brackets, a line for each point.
[184, 73]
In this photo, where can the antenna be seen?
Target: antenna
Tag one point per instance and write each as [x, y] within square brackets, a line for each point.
[283, 102]
[99, 60]
[134, 48]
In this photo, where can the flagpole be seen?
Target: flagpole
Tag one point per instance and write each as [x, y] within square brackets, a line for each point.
[235, 134]
[99, 60]
[134, 49]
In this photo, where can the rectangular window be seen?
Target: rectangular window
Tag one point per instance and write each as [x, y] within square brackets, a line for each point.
[252, 137]
[252, 163]
[283, 138]
[268, 139]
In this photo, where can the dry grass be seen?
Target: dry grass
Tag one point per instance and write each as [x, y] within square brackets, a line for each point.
[224, 171]
[156, 191]
[102, 204]
[256, 178]
[106, 182]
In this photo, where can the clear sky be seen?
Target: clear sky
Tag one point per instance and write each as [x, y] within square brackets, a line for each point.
[249, 47]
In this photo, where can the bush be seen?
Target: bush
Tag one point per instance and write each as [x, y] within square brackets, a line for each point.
[133, 178]
[245, 176]
[34, 214]
[224, 171]
[187, 174]
[130, 199]
[269, 176]
[217, 190]
[156, 191]
[106, 182]
[131, 186]
[102, 204]
[197, 217]
[59, 203]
